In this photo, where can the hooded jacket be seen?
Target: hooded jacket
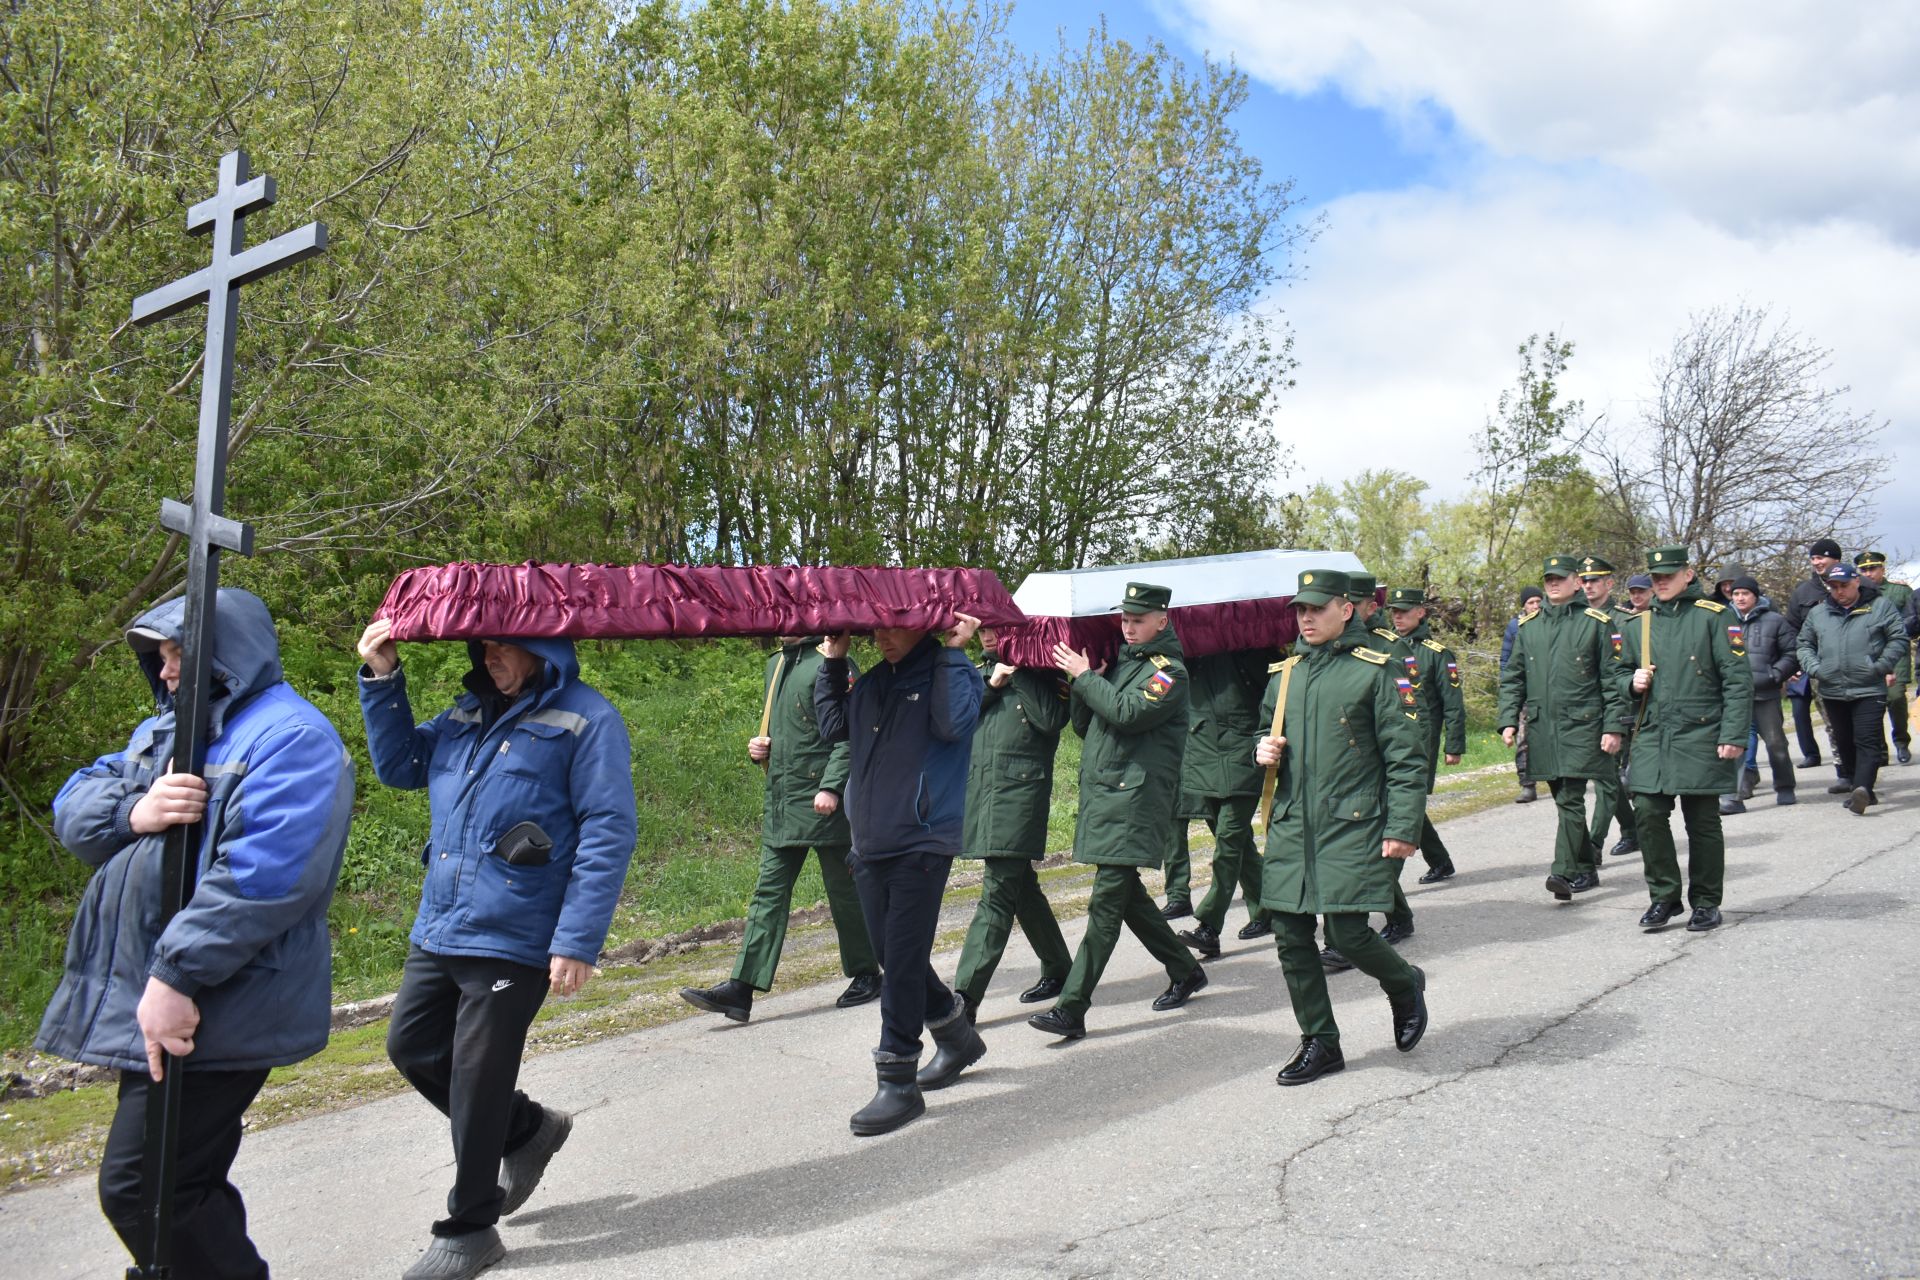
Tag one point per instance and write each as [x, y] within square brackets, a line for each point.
[1770, 649]
[557, 756]
[250, 948]
[1850, 651]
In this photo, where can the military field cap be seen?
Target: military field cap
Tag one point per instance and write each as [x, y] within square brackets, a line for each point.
[1668, 559]
[1639, 582]
[1317, 586]
[1594, 567]
[1559, 567]
[1361, 586]
[1407, 598]
[1871, 559]
[1842, 572]
[1824, 547]
[1144, 597]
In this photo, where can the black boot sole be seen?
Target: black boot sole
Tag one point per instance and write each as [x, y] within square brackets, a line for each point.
[699, 1000]
[1559, 887]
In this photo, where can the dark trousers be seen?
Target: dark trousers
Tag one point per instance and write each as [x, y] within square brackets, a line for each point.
[209, 1221]
[1236, 862]
[1610, 805]
[1120, 899]
[1178, 881]
[458, 1028]
[1349, 934]
[1706, 848]
[1859, 743]
[1573, 847]
[1520, 753]
[901, 898]
[1803, 726]
[1897, 715]
[1769, 723]
[1009, 891]
[766, 931]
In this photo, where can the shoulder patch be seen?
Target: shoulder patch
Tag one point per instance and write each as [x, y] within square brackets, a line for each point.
[1273, 668]
[1604, 617]
[1434, 645]
[1714, 605]
[1160, 660]
[1525, 618]
[1370, 655]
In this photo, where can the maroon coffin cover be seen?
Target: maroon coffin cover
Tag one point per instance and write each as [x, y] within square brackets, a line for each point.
[468, 601]
[1203, 629]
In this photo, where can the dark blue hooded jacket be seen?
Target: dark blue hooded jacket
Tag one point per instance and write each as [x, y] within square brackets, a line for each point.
[251, 947]
[910, 729]
[558, 757]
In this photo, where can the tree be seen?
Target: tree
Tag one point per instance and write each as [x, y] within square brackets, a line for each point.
[1743, 453]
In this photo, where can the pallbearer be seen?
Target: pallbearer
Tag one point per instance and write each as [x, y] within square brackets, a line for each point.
[1220, 784]
[1609, 793]
[1434, 672]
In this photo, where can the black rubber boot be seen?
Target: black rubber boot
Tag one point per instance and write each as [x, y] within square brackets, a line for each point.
[956, 1046]
[895, 1103]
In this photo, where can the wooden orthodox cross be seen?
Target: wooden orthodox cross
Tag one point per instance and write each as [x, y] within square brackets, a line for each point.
[208, 531]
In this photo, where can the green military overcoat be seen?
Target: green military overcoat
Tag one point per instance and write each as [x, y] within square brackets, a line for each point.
[1562, 673]
[1899, 594]
[1223, 708]
[1134, 719]
[1010, 779]
[798, 763]
[1701, 697]
[1352, 775]
[1435, 673]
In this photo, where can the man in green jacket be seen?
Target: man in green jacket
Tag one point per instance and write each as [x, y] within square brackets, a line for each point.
[1220, 784]
[1610, 803]
[1873, 573]
[1009, 792]
[1685, 662]
[1561, 675]
[1851, 647]
[1435, 672]
[1343, 747]
[805, 779]
[1133, 716]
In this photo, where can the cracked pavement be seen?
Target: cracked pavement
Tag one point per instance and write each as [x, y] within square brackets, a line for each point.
[1590, 1100]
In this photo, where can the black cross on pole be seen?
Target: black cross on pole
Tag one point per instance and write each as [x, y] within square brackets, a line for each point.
[207, 531]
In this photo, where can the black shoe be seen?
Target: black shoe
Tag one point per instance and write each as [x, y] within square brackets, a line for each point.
[1560, 887]
[1254, 929]
[1749, 779]
[863, 988]
[1395, 933]
[1729, 806]
[1659, 914]
[1435, 875]
[732, 997]
[1529, 792]
[1068, 1026]
[1840, 789]
[896, 1102]
[1810, 762]
[1585, 880]
[458, 1257]
[520, 1169]
[1859, 799]
[1704, 918]
[1180, 990]
[1333, 962]
[1045, 989]
[1627, 846]
[1784, 797]
[1177, 909]
[1203, 940]
[1410, 1013]
[1316, 1058]
[1903, 754]
[956, 1046]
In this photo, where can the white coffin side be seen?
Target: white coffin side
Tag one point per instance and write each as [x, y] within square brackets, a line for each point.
[1245, 575]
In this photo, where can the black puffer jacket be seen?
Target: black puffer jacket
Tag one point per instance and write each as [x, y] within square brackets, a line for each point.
[1770, 649]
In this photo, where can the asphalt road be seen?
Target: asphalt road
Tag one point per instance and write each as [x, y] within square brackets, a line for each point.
[1590, 1100]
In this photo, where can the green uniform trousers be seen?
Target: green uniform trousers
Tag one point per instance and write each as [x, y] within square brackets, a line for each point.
[1573, 846]
[1009, 891]
[766, 931]
[1119, 898]
[1610, 804]
[1179, 865]
[1897, 715]
[1706, 848]
[1236, 862]
[1402, 913]
[1432, 847]
[1306, 978]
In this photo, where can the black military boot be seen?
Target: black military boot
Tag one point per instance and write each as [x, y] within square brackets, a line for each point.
[1252, 929]
[1529, 792]
[896, 1102]
[956, 1046]
[732, 997]
[1316, 1058]
[1045, 989]
[1203, 940]
[863, 988]
[1410, 1013]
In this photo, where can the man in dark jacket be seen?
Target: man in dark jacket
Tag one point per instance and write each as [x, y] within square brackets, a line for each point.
[241, 979]
[805, 778]
[1530, 599]
[1610, 803]
[1809, 594]
[529, 780]
[1220, 785]
[1770, 655]
[1851, 647]
[910, 724]
[1133, 717]
[1873, 573]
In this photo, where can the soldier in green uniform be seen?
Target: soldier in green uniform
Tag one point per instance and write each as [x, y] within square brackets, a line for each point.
[805, 778]
[1561, 675]
[1873, 569]
[1009, 790]
[1609, 793]
[1133, 716]
[1349, 779]
[1685, 666]
[1434, 671]
[1220, 784]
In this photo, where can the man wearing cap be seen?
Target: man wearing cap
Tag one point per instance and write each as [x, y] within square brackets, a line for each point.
[1685, 666]
[1850, 647]
[1435, 672]
[1771, 658]
[1609, 793]
[1133, 717]
[1809, 594]
[1530, 598]
[1560, 676]
[1343, 743]
[1639, 592]
[1873, 573]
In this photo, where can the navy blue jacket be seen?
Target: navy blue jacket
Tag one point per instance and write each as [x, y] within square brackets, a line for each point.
[909, 726]
[559, 757]
[251, 946]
